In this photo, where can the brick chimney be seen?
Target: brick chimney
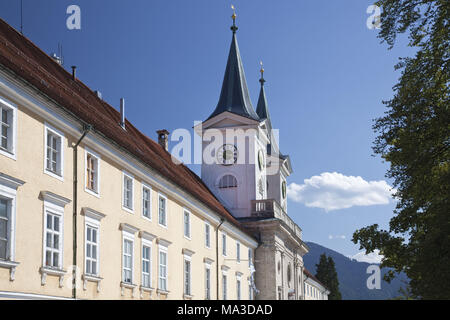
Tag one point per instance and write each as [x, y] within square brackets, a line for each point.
[163, 138]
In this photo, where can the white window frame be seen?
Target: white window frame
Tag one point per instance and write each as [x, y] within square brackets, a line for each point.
[149, 189]
[224, 285]
[126, 236]
[8, 191]
[238, 252]
[207, 235]
[165, 211]
[60, 135]
[11, 151]
[8, 222]
[238, 288]
[163, 249]
[188, 282]
[189, 224]
[147, 244]
[208, 281]
[54, 210]
[91, 153]
[224, 244]
[124, 207]
[93, 224]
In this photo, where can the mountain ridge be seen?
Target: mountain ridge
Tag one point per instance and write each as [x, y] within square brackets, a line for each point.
[352, 275]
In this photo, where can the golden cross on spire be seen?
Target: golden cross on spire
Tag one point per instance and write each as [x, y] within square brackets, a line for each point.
[262, 73]
[234, 28]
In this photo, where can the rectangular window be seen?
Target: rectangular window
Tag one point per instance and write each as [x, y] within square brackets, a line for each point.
[208, 283]
[207, 235]
[53, 153]
[162, 211]
[91, 250]
[5, 124]
[238, 252]
[5, 226]
[146, 266]
[162, 285]
[224, 244]
[54, 159]
[127, 192]
[250, 257]
[238, 289]
[224, 287]
[146, 202]
[187, 224]
[53, 243]
[92, 173]
[7, 128]
[127, 261]
[187, 277]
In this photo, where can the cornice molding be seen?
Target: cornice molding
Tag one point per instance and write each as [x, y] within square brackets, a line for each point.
[10, 182]
[54, 198]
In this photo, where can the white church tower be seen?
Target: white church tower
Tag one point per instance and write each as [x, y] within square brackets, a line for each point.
[237, 174]
[244, 168]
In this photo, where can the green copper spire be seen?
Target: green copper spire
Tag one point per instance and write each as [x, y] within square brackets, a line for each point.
[234, 96]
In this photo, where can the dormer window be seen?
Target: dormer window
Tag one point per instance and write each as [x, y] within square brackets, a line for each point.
[228, 181]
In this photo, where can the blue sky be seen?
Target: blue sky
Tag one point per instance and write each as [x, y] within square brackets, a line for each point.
[326, 73]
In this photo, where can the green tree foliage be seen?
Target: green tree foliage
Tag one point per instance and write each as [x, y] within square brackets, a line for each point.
[414, 137]
[326, 273]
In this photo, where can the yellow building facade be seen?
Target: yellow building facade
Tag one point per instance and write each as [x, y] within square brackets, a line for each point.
[138, 234]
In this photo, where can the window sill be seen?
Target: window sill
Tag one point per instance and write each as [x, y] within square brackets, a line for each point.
[54, 175]
[92, 192]
[143, 289]
[11, 265]
[91, 278]
[131, 286]
[162, 292]
[162, 226]
[8, 154]
[146, 289]
[128, 209]
[52, 272]
[188, 296]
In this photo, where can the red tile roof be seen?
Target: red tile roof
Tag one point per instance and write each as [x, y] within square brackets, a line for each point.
[26, 60]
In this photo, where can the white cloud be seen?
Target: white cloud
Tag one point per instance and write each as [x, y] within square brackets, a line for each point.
[373, 257]
[334, 191]
[342, 237]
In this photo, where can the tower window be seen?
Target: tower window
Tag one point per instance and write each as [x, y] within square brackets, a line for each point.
[228, 181]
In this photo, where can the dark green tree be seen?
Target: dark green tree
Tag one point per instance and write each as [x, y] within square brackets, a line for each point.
[326, 273]
[414, 138]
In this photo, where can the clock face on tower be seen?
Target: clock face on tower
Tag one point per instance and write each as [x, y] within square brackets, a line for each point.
[227, 154]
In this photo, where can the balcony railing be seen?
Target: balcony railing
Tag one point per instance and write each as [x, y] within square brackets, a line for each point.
[269, 208]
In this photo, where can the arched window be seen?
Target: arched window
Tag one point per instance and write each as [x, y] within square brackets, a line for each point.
[228, 181]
